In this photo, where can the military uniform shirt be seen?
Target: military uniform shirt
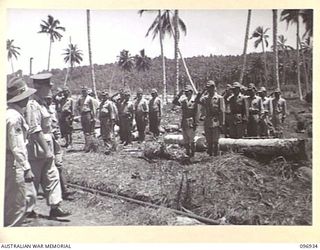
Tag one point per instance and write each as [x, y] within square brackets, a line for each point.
[17, 137]
[141, 107]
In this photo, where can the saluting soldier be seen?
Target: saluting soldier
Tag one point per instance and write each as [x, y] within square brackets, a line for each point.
[189, 121]
[265, 124]
[215, 116]
[41, 145]
[18, 174]
[107, 116]
[279, 106]
[86, 110]
[255, 108]
[141, 111]
[239, 112]
[155, 112]
[126, 118]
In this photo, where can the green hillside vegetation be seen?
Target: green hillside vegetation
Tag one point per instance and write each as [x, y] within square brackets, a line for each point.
[222, 69]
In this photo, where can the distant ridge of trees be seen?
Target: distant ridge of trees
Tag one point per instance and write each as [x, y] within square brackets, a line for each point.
[221, 69]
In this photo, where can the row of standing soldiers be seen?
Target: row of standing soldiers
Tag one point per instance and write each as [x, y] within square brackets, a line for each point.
[111, 111]
[239, 112]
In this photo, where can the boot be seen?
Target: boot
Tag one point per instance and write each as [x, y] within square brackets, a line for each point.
[187, 146]
[215, 150]
[86, 143]
[193, 149]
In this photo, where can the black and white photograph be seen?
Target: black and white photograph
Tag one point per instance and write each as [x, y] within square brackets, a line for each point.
[158, 117]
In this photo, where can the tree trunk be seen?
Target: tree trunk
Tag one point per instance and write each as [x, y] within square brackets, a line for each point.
[284, 67]
[164, 96]
[176, 49]
[49, 54]
[306, 75]
[245, 47]
[12, 65]
[288, 148]
[93, 78]
[270, 148]
[275, 48]
[298, 62]
[264, 62]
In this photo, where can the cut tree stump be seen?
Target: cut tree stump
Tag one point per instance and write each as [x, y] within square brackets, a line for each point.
[258, 148]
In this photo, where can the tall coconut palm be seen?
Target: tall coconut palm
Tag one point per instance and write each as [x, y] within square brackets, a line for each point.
[262, 38]
[292, 17]
[177, 25]
[142, 62]
[307, 19]
[52, 28]
[126, 63]
[244, 54]
[12, 52]
[93, 77]
[283, 49]
[275, 48]
[73, 55]
[306, 47]
[157, 29]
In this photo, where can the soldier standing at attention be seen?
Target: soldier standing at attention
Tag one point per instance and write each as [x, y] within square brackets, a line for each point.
[107, 118]
[66, 117]
[155, 112]
[189, 120]
[86, 110]
[227, 95]
[265, 123]
[57, 148]
[18, 171]
[215, 116]
[255, 107]
[141, 110]
[117, 99]
[239, 112]
[126, 118]
[41, 145]
[279, 112]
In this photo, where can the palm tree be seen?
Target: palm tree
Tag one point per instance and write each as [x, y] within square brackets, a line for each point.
[73, 55]
[244, 54]
[126, 63]
[292, 17]
[307, 19]
[52, 28]
[93, 77]
[177, 24]
[157, 28]
[275, 47]
[283, 48]
[306, 48]
[262, 38]
[12, 52]
[142, 62]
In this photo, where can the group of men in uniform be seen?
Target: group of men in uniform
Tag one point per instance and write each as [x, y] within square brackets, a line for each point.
[35, 117]
[240, 112]
[119, 110]
[33, 154]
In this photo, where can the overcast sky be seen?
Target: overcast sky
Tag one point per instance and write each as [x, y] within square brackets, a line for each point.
[217, 32]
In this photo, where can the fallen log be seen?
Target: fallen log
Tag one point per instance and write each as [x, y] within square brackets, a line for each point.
[291, 148]
[266, 148]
